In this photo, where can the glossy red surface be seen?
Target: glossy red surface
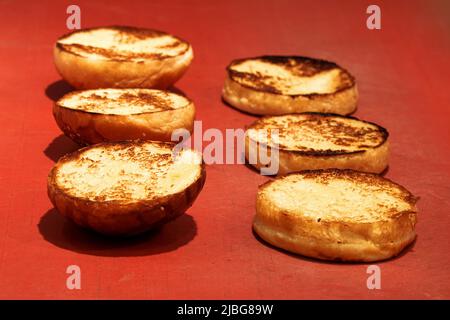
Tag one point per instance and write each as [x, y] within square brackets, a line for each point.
[402, 71]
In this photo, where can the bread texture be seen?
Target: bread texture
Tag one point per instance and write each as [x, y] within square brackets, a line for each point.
[99, 115]
[121, 57]
[336, 215]
[310, 141]
[276, 85]
[125, 188]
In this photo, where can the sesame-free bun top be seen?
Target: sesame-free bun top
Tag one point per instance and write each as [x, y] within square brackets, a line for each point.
[121, 57]
[336, 215]
[308, 141]
[127, 187]
[99, 115]
[277, 85]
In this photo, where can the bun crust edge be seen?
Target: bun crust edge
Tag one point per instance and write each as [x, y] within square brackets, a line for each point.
[90, 128]
[373, 160]
[84, 73]
[259, 102]
[292, 238]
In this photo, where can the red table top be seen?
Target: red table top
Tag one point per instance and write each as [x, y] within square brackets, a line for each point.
[210, 253]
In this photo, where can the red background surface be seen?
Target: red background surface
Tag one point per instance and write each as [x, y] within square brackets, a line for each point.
[402, 72]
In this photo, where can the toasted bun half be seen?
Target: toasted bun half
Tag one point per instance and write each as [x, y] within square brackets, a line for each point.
[125, 188]
[336, 215]
[275, 85]
[317, 141]
[121, 57]
[98, 115]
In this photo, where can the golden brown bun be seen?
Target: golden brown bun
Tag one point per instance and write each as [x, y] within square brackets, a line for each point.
[336, 215]
[99, 115]
[275, 85]
[121, 57]
[310, 141]
[125, 188]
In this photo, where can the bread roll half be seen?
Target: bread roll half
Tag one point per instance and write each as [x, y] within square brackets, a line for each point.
[309, 141]
[336, 215]
[93, 116]
[276, 85]
[121, 57]
[125, 188]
